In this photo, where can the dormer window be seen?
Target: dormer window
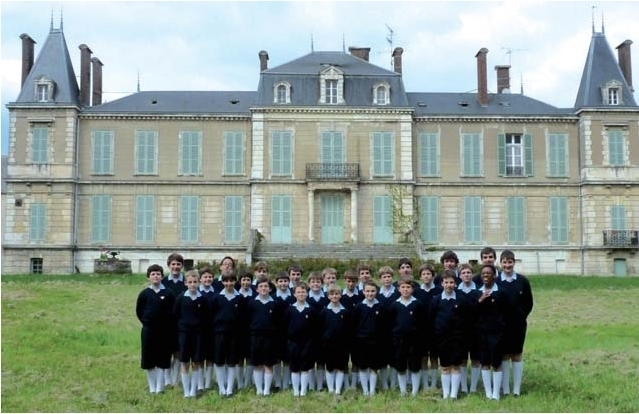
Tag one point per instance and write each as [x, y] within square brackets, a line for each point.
[381, 94]
[44, 89]
[331, 86]
[611, 93]
[282, 93]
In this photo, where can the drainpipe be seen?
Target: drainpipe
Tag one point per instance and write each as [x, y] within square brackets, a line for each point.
[74, 230]
[581, 198]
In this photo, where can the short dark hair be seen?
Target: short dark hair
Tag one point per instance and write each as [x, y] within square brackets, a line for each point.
[282, 274]
[245, 273]
[507, 254]
[448, 274]
[449, 254]
[488, 250]
[405, 280]
[154, 268]
[404, 260]
[177, 257]
[229, 276]
[262, 280]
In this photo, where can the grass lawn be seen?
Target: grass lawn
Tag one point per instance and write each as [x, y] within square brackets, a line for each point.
[71, 344]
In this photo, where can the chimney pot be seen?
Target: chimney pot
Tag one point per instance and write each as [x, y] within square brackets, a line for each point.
[360, 52]
[503, 78]
[97, 81]
[263, 60]
[625, 63]
[27, 55]
[482, 77]
[85, 74]
[397, 59]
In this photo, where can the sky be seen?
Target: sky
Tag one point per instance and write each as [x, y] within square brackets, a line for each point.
[214, 45]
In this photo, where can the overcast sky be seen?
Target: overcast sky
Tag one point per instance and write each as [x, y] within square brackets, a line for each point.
[214, 45]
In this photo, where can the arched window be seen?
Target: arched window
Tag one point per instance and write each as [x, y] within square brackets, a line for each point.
[282, 93]
[381, 94]
[44, 88]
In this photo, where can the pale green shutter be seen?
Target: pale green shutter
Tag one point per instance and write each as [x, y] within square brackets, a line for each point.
[501, 153]
[528, 154]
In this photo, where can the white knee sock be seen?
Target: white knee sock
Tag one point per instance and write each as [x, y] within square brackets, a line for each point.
[311, 379]
[208, 376]
[505, 381]
[151, 377]
[363, 379]
[445, 385]
[486, 379]
[186, 385]
[372, 382]
[304, 378]
[339, 381]
[330, 381]
[474, 378]
[295, 382]
[497, 378]
[258, 379]
[463, 379]
[195, 380]
[401, 380]
[268, 379]
[230, 378]
[518, 373]
[415, 378]
[159, 380]
[433, 378]
[455, 379]
[220, 377]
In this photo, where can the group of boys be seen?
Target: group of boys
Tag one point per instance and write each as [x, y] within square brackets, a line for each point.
[273, 333]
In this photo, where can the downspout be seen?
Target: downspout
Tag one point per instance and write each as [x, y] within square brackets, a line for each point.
[580, 136]
[74, 230]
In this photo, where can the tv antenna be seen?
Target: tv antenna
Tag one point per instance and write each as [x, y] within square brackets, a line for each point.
[389, 40]
[509, 52]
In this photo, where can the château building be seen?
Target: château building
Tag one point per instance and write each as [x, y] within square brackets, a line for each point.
[328, 156]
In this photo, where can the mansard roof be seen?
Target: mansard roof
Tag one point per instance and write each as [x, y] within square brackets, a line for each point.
[303, 76]
[179, 102]
[601, 68]
[54, 64]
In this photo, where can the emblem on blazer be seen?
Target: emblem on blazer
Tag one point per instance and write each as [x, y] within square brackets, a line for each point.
[162, 297]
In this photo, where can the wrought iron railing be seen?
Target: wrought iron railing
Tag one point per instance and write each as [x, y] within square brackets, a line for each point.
[332, 171]
[621, 238]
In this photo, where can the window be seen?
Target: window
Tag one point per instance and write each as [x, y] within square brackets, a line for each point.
[558, 220]
[144, 218]
[36, 265]
[281, 217]
[189, 218]
[612, 93]
[515, 207]
[43, 93]
[40, 144]
[233, 219]
[557, 155]
[429, 219]
[146, 144]
[471, 155]
[281, 153]
[382, 219]
[233, 152]
[102, 149]
[382, 154]
[282, 93]
[429, 155]
[472, 220]
[37, 222]
[101, 218]
[616, 147]
[613, 96]
[617, 217]
[381, 94]
[190, 153]
[331, 86]
[44, 89]
[515, 155]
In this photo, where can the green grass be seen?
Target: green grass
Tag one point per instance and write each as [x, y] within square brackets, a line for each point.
[71, 344]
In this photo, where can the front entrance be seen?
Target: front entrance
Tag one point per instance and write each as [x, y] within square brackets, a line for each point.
[620, 267]
[332, 213]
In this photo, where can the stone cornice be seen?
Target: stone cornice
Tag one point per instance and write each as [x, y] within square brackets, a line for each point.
[165, 117]
[570, 119]
[331, 109]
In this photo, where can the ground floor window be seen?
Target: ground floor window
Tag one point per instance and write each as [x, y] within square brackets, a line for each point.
[36, 265]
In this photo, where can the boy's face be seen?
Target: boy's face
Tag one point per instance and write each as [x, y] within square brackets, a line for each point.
[261, 272]
[227, 264]
[350, 283]
[245, 283]
[263, 289]
[315, 285]
[405, 269]
[282, 284]
[387, 279]
[487, 277]
[466, 275]
[406, 290]
[295, 276]
[488, 258]
[175, 267]
[206, 279]
[335, 296]
[364, 275]
[370, 292]
[155, 278]
[426, 276]
[507, 265]
[449, 264]
[300, 294]
[229, 285]
[448, 284]
[192, 283]
[329, 278]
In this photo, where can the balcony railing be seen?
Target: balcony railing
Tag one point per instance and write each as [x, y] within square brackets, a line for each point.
[621, 238]
[332, 171]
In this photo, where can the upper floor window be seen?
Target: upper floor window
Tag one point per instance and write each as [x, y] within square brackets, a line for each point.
[381, 94]
[611, 93]
[616, 147]
[382, 154]
[37, 222]
[282, 93]
[102, 152]
[146, 152]
[233, 152]
[515, 155]
[557, 155]
[281, 153]
[429, 155]
[44, 89]
[331, 86]
[190, 152]
[40, 144]
[471, 155]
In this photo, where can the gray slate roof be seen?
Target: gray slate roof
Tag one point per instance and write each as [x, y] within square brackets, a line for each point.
[601, 67]
[54, 62]
[179, 102]
[303, 75]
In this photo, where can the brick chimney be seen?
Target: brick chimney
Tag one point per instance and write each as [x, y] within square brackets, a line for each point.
[263, 60]
[503, 78]
[397, 59]
[482, 77]
[27, 55]
[360, 52]
[85, 74]
[623, 51]
[97, 81]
